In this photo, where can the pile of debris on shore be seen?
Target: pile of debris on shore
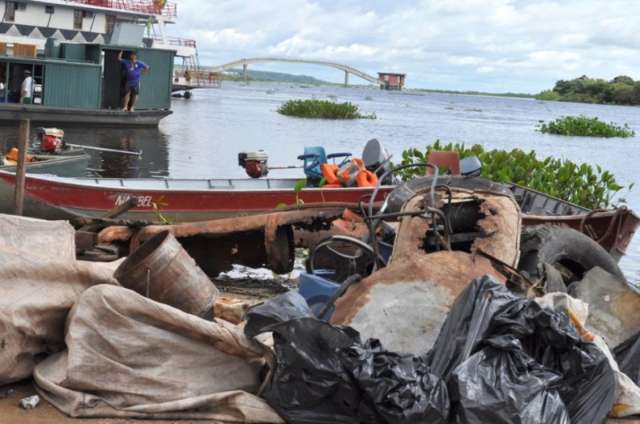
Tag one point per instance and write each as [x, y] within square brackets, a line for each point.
[437, 306]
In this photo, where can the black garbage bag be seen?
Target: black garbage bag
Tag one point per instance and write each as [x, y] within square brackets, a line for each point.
[309, 383]
[285, 307]
[325, 374]
[627, 356]
[502, 384]
[480, 334]
[398, 388]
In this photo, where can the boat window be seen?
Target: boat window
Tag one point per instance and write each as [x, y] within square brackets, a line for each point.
[77, 19]
[10, 11]
[49, 10]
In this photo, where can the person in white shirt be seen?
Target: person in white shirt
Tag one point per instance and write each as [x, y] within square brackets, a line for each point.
[26, 90]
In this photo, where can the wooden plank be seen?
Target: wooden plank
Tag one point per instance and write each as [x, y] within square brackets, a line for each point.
[23, 143]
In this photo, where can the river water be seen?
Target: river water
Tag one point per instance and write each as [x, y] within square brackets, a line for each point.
[203, 136]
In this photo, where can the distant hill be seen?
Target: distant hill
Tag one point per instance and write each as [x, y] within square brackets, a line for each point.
[236, 75]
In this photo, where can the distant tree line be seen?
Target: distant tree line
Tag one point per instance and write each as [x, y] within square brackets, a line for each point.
[622, 90]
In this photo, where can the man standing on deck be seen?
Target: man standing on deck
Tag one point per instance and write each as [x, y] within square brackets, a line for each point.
[26, 89]
[133, 70]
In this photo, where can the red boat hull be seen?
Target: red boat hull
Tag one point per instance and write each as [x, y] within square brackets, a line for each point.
[51, 198]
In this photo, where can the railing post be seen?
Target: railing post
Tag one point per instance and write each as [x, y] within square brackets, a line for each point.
[23, 143]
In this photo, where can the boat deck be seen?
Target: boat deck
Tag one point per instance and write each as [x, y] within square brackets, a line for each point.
[10, 113]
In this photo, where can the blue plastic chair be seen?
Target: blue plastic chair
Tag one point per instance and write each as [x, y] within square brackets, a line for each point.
[314, 156]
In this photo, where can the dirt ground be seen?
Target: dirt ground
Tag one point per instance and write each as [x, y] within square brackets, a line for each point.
[45, 413]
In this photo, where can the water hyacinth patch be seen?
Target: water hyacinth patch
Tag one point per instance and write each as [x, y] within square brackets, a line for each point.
[322, 109]
[584, 126]
[585, 185]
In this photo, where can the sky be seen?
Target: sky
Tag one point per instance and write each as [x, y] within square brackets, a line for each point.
[485, 45]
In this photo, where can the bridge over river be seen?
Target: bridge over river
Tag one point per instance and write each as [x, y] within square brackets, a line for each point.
[348, 70]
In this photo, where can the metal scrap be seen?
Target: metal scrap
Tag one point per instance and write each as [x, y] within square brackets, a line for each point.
[405, 304]
[265, 240]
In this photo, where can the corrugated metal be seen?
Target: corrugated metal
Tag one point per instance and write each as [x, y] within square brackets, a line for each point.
[72, 85]
[155, 87]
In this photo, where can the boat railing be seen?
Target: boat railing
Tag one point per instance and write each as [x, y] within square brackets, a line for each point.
[176, 41]
[164, 8]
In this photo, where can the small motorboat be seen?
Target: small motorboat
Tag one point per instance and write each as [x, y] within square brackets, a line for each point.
[50, 156]
[68, 164]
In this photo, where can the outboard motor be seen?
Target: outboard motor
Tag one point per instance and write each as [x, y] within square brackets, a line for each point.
[470, 166]
[255, 164]
[51, 139]
[376, 158]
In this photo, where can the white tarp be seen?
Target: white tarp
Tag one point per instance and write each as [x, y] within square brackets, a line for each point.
[40, 281]
[129, 356]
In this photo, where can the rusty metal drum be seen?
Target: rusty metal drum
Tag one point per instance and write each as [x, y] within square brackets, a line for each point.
[163, 271]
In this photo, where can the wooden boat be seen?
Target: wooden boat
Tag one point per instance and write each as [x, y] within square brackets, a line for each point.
[188, 200]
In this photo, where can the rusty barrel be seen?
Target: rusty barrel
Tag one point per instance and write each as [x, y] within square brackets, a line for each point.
[163, 271]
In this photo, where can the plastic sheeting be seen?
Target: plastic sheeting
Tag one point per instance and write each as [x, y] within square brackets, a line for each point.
[129, 356]
[325, 374]
[285, 307]
[40, 281]
[628, 356]
[533, 356]
[504, 359]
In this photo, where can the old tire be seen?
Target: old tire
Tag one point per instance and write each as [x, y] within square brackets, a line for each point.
[565, 249]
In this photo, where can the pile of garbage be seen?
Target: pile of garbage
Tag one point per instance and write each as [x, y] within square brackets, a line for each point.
[436, 310]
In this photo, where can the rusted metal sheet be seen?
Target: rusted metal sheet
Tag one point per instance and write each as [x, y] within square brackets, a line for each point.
[498, 224]
[405, 304]
[500, 227]
[255, 241]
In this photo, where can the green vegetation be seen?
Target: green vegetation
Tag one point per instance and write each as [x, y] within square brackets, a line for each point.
[622, 90]
[585, 185]
[584, 126]
[472, 93]
[322, 109]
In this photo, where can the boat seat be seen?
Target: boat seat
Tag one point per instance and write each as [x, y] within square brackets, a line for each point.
[448, 160]
[314, 156]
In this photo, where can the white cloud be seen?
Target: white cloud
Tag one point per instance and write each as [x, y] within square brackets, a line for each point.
[501, 45]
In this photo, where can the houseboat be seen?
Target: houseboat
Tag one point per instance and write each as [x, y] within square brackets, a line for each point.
[71, 49]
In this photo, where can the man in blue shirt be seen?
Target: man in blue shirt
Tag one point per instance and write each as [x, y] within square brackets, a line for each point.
[133, 69]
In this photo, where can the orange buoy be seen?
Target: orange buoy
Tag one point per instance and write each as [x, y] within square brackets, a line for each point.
[330, 173]
[366, 178]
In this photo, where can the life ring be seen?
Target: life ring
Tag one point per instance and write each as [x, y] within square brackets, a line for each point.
[366, 178]
[330, 173]
[336, 185]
